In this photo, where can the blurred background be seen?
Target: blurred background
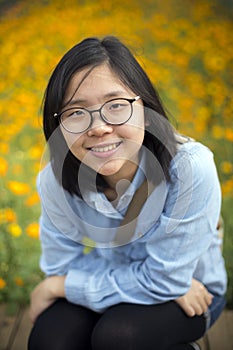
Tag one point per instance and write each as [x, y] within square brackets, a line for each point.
[185, 46]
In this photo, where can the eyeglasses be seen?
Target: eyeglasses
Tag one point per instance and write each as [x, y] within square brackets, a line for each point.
[114, 112]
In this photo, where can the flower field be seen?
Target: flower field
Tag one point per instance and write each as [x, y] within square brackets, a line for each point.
[186, 47]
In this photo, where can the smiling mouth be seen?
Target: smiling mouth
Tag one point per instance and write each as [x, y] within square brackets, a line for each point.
[106, 148]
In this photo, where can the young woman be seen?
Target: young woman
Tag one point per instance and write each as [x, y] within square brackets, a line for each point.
[130, 247]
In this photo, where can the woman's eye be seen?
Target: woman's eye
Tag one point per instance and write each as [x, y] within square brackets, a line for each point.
[116, 106]
[77, 114]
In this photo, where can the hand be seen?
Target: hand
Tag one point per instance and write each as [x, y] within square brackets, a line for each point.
[45, 294]
[196, 300]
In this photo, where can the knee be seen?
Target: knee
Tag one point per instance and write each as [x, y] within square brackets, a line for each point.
[44, 336]
[115, 336]
[41, 339]
[38, 339]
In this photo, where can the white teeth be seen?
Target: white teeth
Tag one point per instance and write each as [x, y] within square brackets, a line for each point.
[105, 148]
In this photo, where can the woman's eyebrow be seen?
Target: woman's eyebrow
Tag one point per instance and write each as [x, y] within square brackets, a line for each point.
[112, 94]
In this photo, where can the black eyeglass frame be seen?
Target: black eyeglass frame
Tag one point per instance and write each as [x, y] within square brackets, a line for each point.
[130, 100]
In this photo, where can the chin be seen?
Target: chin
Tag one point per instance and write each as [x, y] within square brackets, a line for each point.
[110, 168]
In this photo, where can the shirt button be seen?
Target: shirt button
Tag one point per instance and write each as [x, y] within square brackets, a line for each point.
[140, 234]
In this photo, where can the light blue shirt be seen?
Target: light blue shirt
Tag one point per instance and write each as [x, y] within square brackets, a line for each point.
[175, 238]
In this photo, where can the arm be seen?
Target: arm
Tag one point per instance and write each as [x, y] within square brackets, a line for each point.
[167, 272]
[57, 250]
[175, 244]
[194, 302]
[45, 294]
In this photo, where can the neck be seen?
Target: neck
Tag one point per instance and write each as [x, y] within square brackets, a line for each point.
[119, 182]
[124, 176]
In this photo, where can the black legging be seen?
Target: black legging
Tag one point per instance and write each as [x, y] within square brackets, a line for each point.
[65, 326]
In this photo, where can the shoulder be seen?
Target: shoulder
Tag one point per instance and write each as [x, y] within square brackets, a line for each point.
[194, 164]
[194, 154]
[193, 149]
[47, 184]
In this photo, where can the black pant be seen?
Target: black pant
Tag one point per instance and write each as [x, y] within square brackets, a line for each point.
[65, 326]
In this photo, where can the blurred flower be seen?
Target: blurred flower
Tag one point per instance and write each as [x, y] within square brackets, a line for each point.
[32, 200]
[214, 62]
[3, 166]
[227, 188]
[32, 230]
[229, 134]
[10, 215]
[217, 132]
[2, 283]
[7, 215]
[35, 152]
[226, 167]
[19, 281]
[4, 148]
[18, 188]
[14, 229]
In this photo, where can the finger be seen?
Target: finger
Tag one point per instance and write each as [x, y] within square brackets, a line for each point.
[198, 308]
[206, 300]
[210, 297]
[186, 307]
[189, 310]
[202, 299]
[202, 305]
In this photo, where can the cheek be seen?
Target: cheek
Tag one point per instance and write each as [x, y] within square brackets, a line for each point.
[74, 143]
[137, 124]
[133, 133]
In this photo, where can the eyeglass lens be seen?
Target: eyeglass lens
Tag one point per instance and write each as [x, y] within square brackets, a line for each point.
[116, 112]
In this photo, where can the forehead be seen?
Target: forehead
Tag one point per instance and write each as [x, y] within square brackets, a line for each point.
[94, 83]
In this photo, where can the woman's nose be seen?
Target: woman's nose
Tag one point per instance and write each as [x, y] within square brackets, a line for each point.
[99, 127]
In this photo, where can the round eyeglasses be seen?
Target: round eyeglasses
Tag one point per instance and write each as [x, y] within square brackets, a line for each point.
[114, 112]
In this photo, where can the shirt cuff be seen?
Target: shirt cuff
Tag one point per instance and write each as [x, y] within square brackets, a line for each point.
[75, 286]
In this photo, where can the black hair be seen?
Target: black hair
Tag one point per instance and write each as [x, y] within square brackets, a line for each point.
[91, 52]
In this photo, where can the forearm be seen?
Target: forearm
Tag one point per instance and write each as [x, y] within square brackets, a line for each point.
[45, 294]
[55, 286]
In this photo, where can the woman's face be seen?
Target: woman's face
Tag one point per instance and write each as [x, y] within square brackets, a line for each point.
[111, 150]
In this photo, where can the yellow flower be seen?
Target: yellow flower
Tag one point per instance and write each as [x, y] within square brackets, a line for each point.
[2, 283]
[227, 188]
[3, 166]
[19, 281]
[10, 215]
[214, 62]
[227, 167]
[35, 152]
[4, 148]
[18, 188]
[32, 230]
[217, 132]
[15, 230]
[32, 200]
[229, 135]
[7, 215]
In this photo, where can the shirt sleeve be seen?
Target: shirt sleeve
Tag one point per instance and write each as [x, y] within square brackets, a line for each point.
[58, 251]
[182, 234]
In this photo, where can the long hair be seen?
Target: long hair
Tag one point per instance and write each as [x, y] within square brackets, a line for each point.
[91, 52]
